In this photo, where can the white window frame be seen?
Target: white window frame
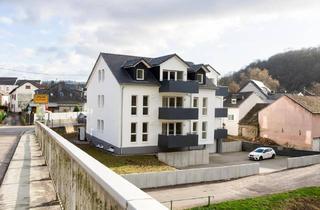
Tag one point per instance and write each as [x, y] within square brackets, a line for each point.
[204, 129]
[233, 101]
[145, 106]
[134, 106]
[201, 78]
[175, 101]
[145, 133]
[195, 99]
[102, 75]
[99, 100]
[174, 128]
[102, 125]
[99, 75]
[102, 100]
[205, 106]
[98, 125]
[137, 74]
[231, 117]
[133, 133]
[194, 131]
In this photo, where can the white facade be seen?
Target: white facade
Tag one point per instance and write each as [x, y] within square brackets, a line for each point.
[4, 94]
[235, 114]
[21, 96]
[257, 87]
[109, 110]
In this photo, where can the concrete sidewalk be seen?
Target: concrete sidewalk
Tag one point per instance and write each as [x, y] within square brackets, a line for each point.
[27, 184]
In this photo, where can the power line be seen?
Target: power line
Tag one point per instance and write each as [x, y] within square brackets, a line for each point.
[47, 74]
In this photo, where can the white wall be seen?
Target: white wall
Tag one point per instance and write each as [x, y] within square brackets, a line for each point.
[111, 112]
[174, 64]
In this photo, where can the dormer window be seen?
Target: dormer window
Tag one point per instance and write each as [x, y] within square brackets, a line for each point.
[234, 101]
[140, 74]
[200, 78]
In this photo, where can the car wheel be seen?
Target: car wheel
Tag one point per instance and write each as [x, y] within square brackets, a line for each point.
[273, 156]
[260, 158]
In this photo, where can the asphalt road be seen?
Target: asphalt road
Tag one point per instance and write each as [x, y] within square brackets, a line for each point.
[9, 138]
[240, 188]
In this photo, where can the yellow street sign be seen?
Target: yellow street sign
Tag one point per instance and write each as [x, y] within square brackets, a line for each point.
[41, 98]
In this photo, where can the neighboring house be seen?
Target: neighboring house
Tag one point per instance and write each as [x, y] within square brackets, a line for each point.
[239, 104]
[21, 96]
[139, 105]
[249, 124]
[291, 120]
[7, 84]
[62, 98]
[259, 88]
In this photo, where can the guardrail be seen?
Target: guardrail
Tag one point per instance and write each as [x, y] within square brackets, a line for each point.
[82, 182]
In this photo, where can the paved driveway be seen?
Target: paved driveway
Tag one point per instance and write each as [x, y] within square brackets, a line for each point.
[241, 188]
[9, 137]
[235, 158]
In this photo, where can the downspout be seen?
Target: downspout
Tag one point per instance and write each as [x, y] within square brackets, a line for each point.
[121, 120]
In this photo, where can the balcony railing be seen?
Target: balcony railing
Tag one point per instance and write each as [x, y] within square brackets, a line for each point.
[190, 86]
[167, 113]
[222, 91]
[220, 133]
[177, 141]
[221, 112]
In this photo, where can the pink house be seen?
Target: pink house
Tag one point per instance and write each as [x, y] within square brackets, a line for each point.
[292, 120]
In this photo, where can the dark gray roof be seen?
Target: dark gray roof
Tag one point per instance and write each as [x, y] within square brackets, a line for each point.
[157, 61]
[8, 80]
[23, 81]
[240, 96]
[134, 62]
[115, 63]
[196, 67]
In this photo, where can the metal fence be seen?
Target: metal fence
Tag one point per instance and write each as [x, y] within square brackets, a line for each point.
[207, 201]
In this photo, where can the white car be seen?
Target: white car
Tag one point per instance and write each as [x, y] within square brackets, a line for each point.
[262, 153]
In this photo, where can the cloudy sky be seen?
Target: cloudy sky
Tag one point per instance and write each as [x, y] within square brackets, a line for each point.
[61, 39]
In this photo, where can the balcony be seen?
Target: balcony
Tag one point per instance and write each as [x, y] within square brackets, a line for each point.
[221, 112]
[177, 141]
[220, 133]
[166, 113]
[190, 86]
[222, 91]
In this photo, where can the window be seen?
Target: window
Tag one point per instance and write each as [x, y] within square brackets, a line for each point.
[99, 75]
[102, 100]
[28, 87]
[98, 125]
[102, 75]
[172, 75]
[200, 78]
[172, 128]
[140, 74]
[145, 108]
[172, 102]
[133, 105]
[99, 100]
[230, 117]
[204, 106]
[233, 101]
[195, 102]
[144, 131]
[133, 132]
[101, 125]
[194, 127]
[204, 130]
[180, 75]
[165, 75]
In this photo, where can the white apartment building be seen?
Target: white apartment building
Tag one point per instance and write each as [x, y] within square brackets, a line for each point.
[21, 96]
[140, 105]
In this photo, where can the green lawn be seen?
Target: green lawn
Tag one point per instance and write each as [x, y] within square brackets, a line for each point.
[127, 164]
[305, 198]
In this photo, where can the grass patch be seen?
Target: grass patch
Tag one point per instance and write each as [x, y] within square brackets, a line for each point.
[127, 164]
[305, 198]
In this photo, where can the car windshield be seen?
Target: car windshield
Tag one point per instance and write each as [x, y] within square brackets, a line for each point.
[259, 150]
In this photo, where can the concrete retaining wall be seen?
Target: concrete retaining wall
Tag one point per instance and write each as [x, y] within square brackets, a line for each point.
[84, 183]
[184, 158]
[170, 178]
[303, 161]
[232, 146]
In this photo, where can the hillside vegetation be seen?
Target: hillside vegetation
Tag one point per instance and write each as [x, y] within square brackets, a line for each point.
[295, 70]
